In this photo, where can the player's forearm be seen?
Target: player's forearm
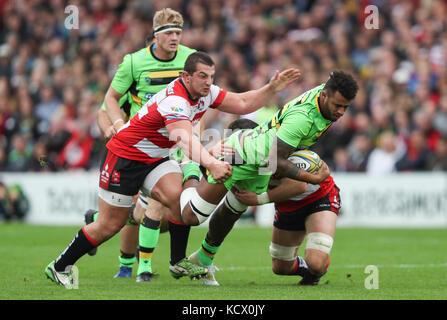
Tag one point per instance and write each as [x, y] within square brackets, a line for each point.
[103, 120]
[254, 99]
[287, 169]
[195, 151]
[111, 101]
[286, 190]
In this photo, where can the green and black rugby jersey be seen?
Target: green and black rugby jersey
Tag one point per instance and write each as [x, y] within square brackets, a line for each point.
[141, 75]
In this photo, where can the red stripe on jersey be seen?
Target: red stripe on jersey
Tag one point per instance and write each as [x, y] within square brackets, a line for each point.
[219, 99]
[106, 170]
[292, 205]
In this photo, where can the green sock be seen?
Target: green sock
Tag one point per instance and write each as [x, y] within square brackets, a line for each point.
[95, 216]
[149, 232]
[207, 253]
[126, 260]
[190, 170]
[178, 155]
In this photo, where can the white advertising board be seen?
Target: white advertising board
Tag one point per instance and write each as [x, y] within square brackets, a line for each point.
[395, 200]
[401, 200]
[57, 198]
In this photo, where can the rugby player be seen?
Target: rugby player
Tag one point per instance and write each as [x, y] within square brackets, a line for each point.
[297, 125]
[301, 210]
[140, 75]
[139, 151]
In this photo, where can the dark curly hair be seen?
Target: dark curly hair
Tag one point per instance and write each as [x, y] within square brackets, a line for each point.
[343, 83]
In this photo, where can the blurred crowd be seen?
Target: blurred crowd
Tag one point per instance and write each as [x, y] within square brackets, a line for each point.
[53, 79]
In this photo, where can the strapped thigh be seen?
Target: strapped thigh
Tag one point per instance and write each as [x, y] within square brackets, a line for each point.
[156, 174]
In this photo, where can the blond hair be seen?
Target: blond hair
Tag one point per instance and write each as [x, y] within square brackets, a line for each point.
[165, 17]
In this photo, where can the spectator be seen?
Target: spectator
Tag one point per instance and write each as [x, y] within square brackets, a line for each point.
[437, 160]
[358, 152]
[47, 106]
[40, 160]
[415, 158]
[19, 203]
[20, 155]
[52, 78]
[383, 158]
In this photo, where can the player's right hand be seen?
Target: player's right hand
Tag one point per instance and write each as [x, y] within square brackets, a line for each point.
[221, 171]
[322, 174]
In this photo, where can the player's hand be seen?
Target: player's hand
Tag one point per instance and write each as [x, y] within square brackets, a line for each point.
[282, 80]
[246, 197]
[110, 131]
[322, 174]
[221, 171]
[220, 149]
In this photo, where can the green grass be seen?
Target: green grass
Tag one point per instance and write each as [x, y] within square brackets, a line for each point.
[412, 265]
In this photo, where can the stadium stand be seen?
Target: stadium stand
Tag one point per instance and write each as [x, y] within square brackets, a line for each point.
[53, 79]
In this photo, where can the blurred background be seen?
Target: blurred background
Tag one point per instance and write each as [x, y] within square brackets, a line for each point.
[53, 79]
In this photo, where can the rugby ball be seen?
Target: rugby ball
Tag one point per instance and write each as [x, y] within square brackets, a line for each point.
[307, 160]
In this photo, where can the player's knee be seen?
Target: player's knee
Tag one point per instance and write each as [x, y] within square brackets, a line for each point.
[195, 210]
[317, 262]
[233, 205]
[318, 247]
[283, 258]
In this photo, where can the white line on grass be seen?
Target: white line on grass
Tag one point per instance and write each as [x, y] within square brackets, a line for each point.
[350, 266]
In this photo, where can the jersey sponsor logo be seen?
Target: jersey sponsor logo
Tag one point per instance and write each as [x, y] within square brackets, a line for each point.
[177, 109]
[148, 96]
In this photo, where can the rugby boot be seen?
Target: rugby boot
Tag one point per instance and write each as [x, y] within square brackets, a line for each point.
[187, 268]
[209, 279]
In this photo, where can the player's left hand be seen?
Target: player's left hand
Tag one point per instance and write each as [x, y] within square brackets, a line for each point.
[246, 197]
[282, 80]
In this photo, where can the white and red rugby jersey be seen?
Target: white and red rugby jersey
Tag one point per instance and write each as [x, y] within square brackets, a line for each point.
[145, 138]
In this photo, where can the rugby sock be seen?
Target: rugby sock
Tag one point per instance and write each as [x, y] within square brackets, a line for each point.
[179, 234]
[126, 259]
[148, 239]
[207, 253]
[299, 268]
[131, 220]
[191, 171]
[80, 245]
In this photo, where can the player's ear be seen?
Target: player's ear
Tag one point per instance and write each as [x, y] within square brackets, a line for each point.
[186, 76]
[323, 96]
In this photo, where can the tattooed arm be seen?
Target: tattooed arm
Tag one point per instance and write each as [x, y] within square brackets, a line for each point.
[287, 169]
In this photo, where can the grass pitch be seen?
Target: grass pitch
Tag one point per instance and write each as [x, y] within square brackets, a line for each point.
[411, 264]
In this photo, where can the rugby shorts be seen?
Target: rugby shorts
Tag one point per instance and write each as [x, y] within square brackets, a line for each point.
[295, 220]
[124, 176]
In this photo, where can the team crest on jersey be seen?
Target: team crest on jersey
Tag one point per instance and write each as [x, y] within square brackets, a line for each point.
[116, 176]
